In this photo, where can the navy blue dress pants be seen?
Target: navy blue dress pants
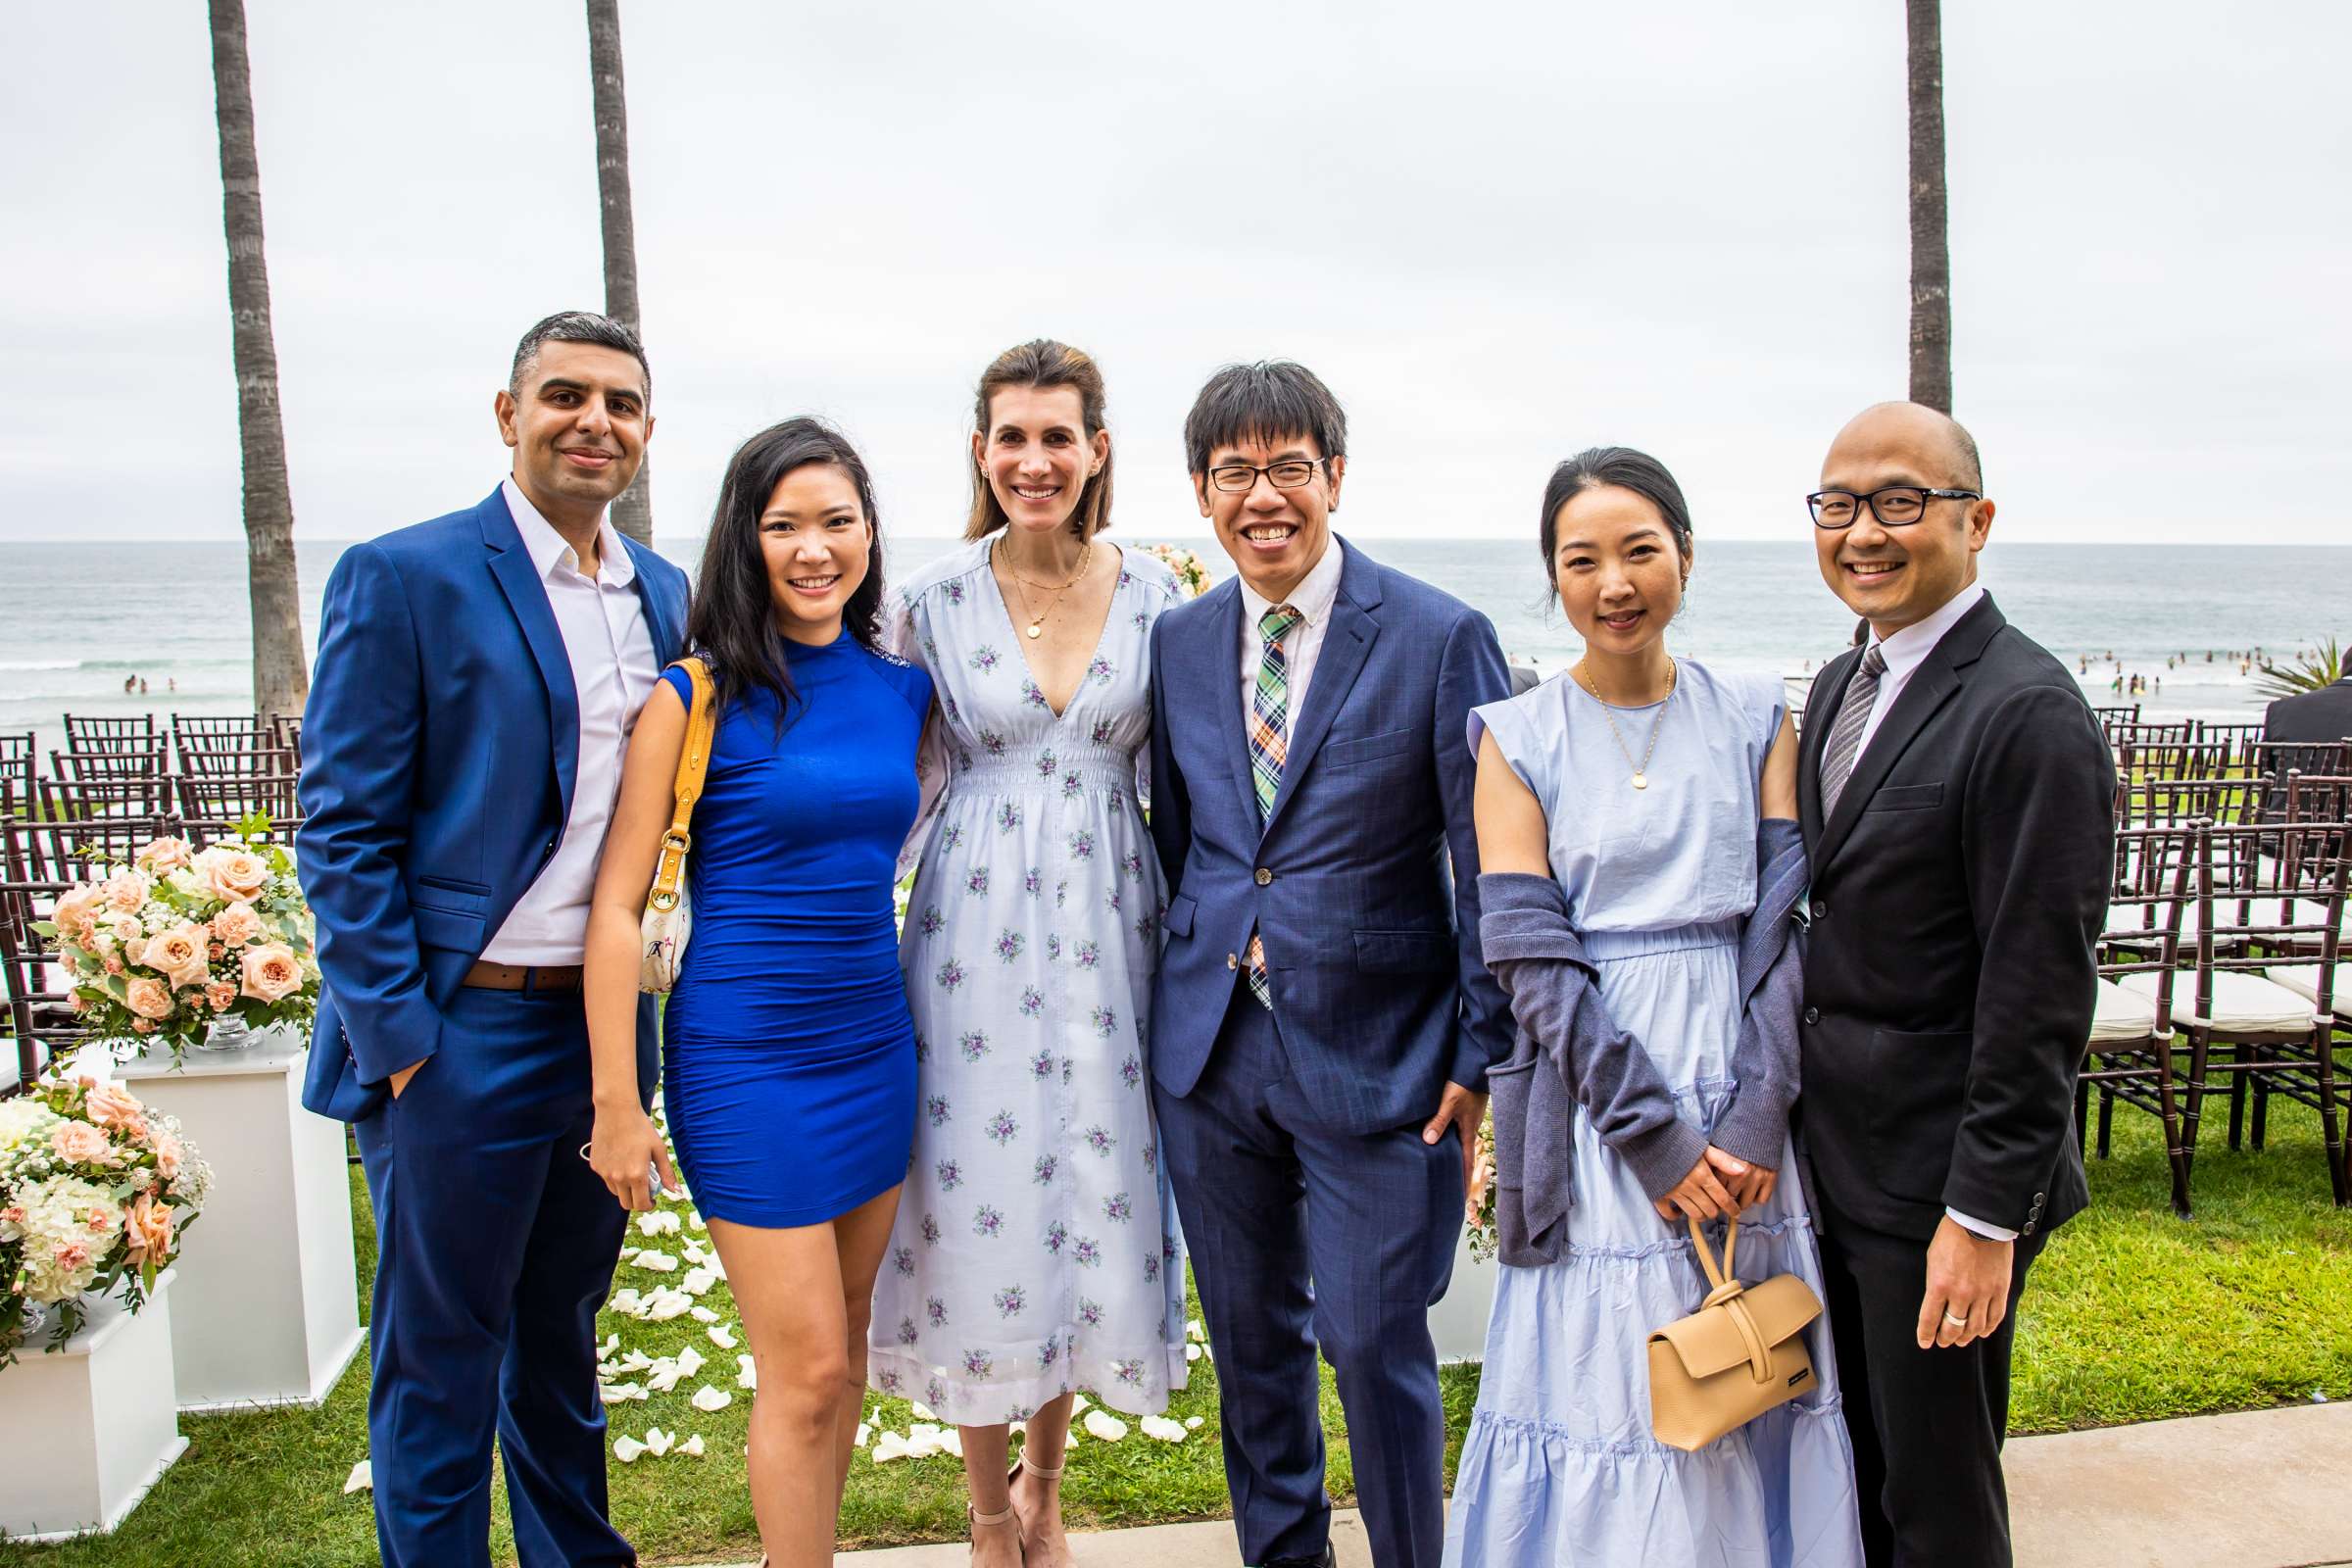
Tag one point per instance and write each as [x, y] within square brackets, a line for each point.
[1302, 1235]
[495, 1249]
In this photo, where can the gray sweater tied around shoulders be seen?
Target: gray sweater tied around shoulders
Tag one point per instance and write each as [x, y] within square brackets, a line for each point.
[1568, 1052]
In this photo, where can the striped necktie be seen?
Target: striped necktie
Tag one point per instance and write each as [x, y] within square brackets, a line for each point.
[1846, 736]
[1269, 749]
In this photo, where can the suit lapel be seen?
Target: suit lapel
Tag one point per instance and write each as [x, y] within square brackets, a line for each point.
[1347, 643]
[1225, 659]
[1930, 686]
[658, 622]
[519, 579]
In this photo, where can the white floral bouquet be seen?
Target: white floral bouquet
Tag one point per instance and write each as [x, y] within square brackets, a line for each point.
[1191, 572]
[184, 938]
[96, 1190]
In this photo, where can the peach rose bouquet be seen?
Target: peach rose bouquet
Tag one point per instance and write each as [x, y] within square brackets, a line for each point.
[183, 939]
[1191, 572]
[96, 1190]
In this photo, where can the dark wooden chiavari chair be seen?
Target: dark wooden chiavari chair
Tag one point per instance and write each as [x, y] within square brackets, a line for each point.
[2140, 757]
[136, 733]
[2245, 1030]
[84, 827]
[2237, 738]
[234, 785]
[196, 739]
[19, 762]
[112, 766]
[2129, 1057]
[2111, 714]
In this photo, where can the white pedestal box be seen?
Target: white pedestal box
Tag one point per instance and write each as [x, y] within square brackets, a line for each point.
[87, 1431]
[268, 1309]
[1458, 1323]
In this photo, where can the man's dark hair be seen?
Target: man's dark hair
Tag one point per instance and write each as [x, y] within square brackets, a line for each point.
[576, 327]
[1268, 400]
[731, 619]
[1623, 468]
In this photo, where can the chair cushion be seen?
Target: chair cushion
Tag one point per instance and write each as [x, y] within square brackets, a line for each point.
[2314, 912]
[2243, 1003]
[2121, 1015]
[2304, 981]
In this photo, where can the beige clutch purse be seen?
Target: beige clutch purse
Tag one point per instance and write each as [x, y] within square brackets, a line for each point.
[1738, 1355]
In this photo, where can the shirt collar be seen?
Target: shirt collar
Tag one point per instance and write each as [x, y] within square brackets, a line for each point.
[1907, 649]
[1314, 596]
[549, 551]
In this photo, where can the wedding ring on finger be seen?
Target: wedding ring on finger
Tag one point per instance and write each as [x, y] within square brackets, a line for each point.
[1956, 1322]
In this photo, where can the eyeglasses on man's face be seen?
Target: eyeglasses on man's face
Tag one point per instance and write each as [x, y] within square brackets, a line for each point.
[1895, 505]
[1236, 477]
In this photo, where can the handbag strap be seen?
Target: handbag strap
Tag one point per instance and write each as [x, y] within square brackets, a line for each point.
[1726, 1293]
[693, 761]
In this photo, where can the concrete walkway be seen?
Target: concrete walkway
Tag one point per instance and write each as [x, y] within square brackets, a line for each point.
[2261, 1490]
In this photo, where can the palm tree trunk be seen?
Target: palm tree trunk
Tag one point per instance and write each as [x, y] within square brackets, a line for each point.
[281, 673]
[633, 511]
[1931, 249]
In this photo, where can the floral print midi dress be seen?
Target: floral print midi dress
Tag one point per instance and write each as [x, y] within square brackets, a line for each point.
[1035, 1251]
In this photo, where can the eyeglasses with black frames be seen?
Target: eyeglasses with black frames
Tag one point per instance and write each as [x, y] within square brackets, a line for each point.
[1896, 506]
[1236, 477]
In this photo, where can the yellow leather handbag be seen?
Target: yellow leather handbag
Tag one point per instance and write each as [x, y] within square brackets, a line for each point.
[1738, 1355]
[668, 912]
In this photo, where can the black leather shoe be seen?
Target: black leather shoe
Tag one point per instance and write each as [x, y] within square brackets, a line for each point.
[1327, 1560]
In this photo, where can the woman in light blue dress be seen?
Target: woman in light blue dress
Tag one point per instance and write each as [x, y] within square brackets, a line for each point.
[1637, 781]
[1036, 1253]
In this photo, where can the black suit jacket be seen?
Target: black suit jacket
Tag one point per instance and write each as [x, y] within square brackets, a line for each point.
[1957, 898]
[2322, 715]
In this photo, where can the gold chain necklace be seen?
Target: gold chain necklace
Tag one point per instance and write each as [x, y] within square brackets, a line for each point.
[1674, 678]
[1036, 622]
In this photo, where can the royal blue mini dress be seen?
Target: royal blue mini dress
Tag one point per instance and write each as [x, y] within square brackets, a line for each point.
[788, 1053]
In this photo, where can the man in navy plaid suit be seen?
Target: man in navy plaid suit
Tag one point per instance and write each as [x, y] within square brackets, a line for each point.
[1322, 1020]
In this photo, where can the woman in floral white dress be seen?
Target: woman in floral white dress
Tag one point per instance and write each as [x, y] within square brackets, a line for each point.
[1035, 1254]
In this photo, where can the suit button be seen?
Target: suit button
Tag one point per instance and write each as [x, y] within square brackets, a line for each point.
[1812, 1015]
[1821, 910]
[2028, 1230]
[1233, 961]
[1265, 878]
[2038, 1198]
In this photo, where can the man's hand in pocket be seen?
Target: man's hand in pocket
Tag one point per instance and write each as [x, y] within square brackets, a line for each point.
[400, 1079]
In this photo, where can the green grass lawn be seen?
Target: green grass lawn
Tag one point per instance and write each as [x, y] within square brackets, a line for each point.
[2131, 1315]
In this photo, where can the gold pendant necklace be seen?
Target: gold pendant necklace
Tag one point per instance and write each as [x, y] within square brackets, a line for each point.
[1036, 622]
[1674, 678]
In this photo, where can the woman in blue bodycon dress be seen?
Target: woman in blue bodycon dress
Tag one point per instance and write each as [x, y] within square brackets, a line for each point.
[789, 1053]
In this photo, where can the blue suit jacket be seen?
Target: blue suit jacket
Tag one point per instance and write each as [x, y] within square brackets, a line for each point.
[1371, 938]
[439, 744]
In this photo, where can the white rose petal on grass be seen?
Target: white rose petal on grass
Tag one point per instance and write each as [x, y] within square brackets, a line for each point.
[701, 1315]
[666, 1305]
[863, 1437]
[663, 1376]
[1161, 1427]
[721, 1336]
[1078, 1404]
[658, 1441]
[697, 1281]
[627, 1449]
[361, 1479]
[696, 1222]
[690, 1361]
[888, 1446]
[922, 1412]
[747, 1373]
[1192, 1423]
[1195, 1332]
[635, 1361]
[1192, 1353]
[611, 1344]
[660, 1222]
[952, 1439]
[627, 1303]
[1104, 1425]
[711, 1401]
[622, 1392]
[658, 1263]
[691, 1446]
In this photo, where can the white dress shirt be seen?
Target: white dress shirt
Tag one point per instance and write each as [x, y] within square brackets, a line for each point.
[1904, 652]
[613, 669]
[1301, 645]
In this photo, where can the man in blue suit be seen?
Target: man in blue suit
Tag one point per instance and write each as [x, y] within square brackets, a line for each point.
[1322, 1021]
[478, 676]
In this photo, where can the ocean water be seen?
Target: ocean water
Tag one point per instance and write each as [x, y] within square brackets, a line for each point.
[76, 620]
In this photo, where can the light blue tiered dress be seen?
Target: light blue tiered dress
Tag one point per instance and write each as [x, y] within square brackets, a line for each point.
[1559, 1466]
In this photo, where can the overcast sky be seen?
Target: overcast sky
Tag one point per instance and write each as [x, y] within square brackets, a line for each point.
[1500, 233]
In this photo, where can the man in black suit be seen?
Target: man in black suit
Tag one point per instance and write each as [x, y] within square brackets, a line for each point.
[1957, 801]
[2312, 716]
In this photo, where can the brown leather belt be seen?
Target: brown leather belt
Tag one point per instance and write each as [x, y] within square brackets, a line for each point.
[524, 976]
